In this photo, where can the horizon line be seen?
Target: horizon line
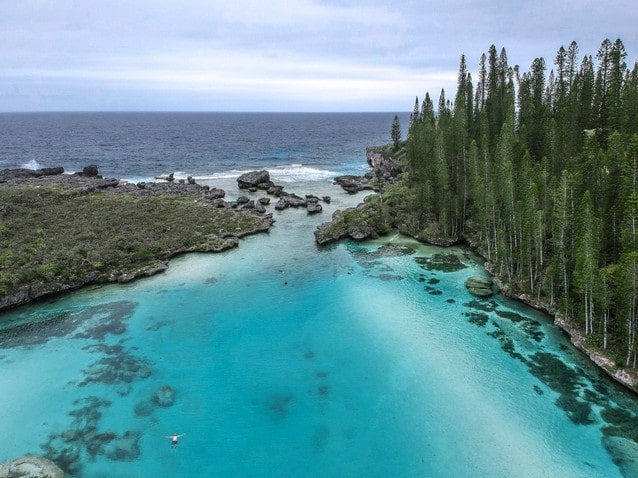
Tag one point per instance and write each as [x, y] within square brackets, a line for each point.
[202, 111]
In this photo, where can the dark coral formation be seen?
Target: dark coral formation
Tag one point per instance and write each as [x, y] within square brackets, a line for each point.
[84, 438]
[164, 397]
[118, 366]
[90, 323]
[442, 262]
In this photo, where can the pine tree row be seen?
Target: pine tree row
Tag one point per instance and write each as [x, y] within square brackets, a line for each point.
[540, 172]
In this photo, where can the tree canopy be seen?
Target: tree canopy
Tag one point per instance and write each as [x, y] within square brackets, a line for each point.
[539, 171]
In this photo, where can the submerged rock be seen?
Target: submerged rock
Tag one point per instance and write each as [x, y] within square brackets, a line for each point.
[30, 466]
[479, 286]
[624, 453]
[165, 396]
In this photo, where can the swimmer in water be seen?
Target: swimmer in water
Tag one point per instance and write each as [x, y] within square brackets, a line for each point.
[174, 439]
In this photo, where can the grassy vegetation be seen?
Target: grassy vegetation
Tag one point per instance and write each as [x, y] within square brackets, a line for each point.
[52, 234]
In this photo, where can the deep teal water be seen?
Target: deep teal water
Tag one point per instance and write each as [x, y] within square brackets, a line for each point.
[356, 359]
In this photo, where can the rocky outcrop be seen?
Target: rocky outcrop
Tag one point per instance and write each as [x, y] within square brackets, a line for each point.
[354, 184]
[30, 466]
[90, 171]
[147, 271]
[255, 179]
[290, 200]
[350, 223]
[9, 175]
[384, 166]
[312, 204]
[29, 293]
[480, 286]
[260, 180]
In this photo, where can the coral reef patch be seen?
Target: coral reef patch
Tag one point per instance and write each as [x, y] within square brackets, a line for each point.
[84, 439]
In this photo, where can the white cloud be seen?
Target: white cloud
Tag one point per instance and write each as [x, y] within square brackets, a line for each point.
[292, 53]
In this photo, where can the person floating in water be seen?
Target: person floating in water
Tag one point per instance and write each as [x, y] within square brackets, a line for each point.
[174, 439]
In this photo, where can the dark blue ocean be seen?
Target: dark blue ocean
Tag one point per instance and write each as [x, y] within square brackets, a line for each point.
[142, 145]
[280, 358]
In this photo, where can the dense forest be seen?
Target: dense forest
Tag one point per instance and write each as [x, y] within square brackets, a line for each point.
[539, 171]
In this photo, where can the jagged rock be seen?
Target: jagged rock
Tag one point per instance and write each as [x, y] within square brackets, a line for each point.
[327, 199]
[266, 185]
[348, 223]
[219, 203]
[350, 184]
[353, 184]
[259, 207]
[242, 200]
[190, 180]
[295, 201]
[387, 168]
[290, 200]
[50, 171]
[479, 286]
[141, 185]
[314, 208]
[90, 171]
[275, 190]
[30, 466]
[365, 231]
[23, 173]
[215, 193]
[253, 179]
[264, 201]
[249, 205]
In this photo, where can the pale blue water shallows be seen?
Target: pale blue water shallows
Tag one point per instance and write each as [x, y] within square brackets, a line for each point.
[281, 358]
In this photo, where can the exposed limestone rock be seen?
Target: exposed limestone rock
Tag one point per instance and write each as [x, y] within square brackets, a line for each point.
[385, 167]
[30, 466]
[314, 208]
[347, 223]
[354, 184]
[253, 179]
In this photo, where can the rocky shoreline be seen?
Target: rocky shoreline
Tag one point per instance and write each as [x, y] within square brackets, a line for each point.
[341, 227]
[383, 168]
[90, 181]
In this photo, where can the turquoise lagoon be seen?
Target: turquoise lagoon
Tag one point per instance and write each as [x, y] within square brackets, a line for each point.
[286, 359]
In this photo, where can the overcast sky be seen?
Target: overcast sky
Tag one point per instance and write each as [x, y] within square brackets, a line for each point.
[277, 55]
